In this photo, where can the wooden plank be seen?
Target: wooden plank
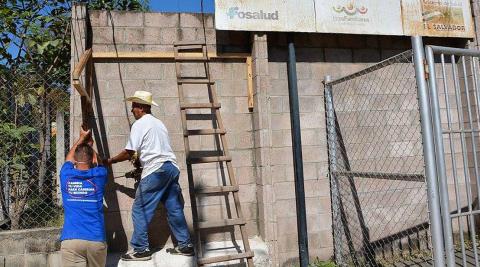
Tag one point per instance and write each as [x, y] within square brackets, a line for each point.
[205, 132]
[230, 257]
[221, 223]
[250, 82]
[164, 55]
[198, 160]
[195, 81]
[78, 86]
[199, 105]
[187, 43]
[77, 71]
[217, 189]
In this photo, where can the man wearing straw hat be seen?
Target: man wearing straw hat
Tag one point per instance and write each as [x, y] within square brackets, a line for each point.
[159, 180]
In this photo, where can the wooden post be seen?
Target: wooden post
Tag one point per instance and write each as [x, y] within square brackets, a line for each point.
[60, 150]
[250, 83]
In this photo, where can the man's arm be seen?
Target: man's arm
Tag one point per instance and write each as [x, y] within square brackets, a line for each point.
[122, 156]
[84, 137]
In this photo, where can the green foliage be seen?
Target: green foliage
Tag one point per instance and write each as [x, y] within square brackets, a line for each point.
[318, 263]
[127, 5]
[15, 148]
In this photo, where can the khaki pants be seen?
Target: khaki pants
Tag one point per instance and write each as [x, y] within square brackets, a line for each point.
[82, 253]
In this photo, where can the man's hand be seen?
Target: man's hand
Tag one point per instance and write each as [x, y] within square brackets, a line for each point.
[85, 136]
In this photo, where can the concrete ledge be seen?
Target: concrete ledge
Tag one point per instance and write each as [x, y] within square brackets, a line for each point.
[164, 259]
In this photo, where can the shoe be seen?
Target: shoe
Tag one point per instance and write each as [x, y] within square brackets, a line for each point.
[185, 250]
[137, 256]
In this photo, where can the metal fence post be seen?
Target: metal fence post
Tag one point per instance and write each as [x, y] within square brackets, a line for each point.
[332, 157]
[440, 157]
[429, 152]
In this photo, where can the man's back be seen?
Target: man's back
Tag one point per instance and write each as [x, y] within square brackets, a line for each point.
[82, 194]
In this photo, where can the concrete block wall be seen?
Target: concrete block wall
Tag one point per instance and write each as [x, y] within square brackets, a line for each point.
[259, 140]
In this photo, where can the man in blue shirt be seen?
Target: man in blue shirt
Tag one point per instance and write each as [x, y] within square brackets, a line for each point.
[83, 183]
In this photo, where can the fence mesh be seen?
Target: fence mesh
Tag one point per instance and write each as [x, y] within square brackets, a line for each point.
[378, 189]
[34, 130]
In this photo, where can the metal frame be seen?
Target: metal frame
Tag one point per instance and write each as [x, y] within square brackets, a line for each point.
[447, 215]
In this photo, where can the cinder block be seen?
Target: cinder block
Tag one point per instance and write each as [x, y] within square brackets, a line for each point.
[338, 55]
[281, 121]
[98, 18]
[247, 193]
[285, 209]
[284, 190]
[242, 158]
[108, 71]
[366, 55]
[117, 126]
[136, 35]
[188, 34]
[310, 55]
[168, 36]
[309, 87]
[134, 71]
[278, 88]
[122, 18]
[15, 260]
[245, 175]
[36, 260]
[276, 104]
[163, 20]
[190, 20]
[107, 35]
[150, 35]
[304, 70]
[285, 241]
[163, 88]
[10, 247]
[244, 140]
[312, 120]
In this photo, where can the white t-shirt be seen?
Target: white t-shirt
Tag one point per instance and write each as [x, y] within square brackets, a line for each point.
[149, 138]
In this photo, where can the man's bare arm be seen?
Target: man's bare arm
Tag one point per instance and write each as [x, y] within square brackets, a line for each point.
[122, 156]
[83, 138]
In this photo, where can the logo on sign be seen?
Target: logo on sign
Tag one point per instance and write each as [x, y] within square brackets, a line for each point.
[235, 12]
[351, 9]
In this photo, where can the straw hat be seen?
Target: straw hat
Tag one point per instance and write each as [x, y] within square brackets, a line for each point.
[142, 97]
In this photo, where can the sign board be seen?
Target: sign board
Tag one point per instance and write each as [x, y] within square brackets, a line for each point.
[359, 17]
[260, 15]
[443, 18]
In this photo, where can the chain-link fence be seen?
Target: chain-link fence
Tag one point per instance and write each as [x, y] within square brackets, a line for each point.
[34, 131]
[379, 194]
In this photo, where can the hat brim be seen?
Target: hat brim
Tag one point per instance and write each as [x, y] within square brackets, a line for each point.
[140, 101]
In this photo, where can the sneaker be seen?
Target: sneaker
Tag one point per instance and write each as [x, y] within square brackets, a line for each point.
[185, 251]
[137, 256]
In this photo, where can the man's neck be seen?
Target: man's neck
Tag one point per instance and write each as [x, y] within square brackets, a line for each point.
[82, 166]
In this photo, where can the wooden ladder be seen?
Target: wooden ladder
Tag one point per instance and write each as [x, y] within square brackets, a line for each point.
[196, 52]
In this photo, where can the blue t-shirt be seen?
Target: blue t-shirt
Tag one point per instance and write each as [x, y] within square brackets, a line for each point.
[82, 194]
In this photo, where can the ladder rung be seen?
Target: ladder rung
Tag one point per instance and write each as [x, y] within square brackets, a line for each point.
[199, 105]
[217, 189]
[222, 223]
[186, 43]
[238, 256]
[191, 59]
[205, 132]
[195, 81]
[193, 160]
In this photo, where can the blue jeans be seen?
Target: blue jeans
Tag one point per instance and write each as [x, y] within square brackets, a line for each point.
[162, 185]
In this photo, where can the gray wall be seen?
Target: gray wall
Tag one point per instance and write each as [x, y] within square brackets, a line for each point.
[260, 140]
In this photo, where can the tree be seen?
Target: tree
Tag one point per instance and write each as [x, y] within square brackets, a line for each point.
[34, 85]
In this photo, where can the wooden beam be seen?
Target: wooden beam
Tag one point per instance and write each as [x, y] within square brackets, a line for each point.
[81, 64]
[249, 82]
[164, 55]
[78, 86]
